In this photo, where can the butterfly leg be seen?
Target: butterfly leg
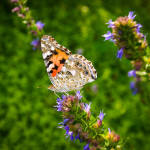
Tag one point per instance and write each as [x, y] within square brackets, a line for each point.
[56, 94]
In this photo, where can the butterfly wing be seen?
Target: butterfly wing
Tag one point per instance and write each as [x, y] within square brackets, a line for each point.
[76, 72]
[67, 72]
[54, 55]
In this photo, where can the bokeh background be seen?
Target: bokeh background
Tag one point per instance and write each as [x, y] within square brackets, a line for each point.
[28, 120]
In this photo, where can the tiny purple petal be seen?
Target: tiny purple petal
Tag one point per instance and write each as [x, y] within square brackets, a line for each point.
[78, 95]
[40, 25]
[101, 115]
[16, 9]
[86, 147]
[139, 26]
[87, 107]
[109, 130]
[132, 73]
[63, 96]
[134, 92]
[59, 106]
[67, 129]
[59, 100]
[132, 85]
[110, 24]
[65, 121]
[108, 36]
[130, 16]
[35, 43]
[71, 136]
[77, 137]
[120, 53]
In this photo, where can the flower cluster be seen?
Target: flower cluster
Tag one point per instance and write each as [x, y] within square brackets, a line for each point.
[35, 28]
[131, 42]
[80, 124]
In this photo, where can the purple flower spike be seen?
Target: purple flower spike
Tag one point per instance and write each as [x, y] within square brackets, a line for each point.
[35, 43]
[108, 36]
[110, 24]
[130, 16]
[132, 73]
[120, 53]
[40, 25]
[86, 147]
[101, 115]
[78, 95]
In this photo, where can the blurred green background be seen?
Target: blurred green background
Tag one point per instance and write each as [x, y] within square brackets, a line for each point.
[28, 120]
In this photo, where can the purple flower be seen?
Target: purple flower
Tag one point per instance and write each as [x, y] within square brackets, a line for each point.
[71, 136]
[16, 9]
[120, 53]
[138, 27]
[133, 87]
[77, 137]
[78, 95]
[134, 92]
[65, 121]
[63, 97]
[40, 25]
[87, 107]
[132, 73]
[109, 130]
[67, 129]
[110, 24]
[59, 104]
[108, 36]
[86, 147]
[35, 43]
[130, 16]
[101, 115]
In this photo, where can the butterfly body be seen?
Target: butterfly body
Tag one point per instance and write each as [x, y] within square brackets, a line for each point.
[66, 71]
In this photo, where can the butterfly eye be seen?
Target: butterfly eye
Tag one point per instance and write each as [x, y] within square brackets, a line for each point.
[86, 72]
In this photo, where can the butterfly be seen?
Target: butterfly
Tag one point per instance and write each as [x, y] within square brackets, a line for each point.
[66, 71]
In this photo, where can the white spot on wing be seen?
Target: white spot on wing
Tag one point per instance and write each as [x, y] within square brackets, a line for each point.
[52, 48]
[73, 72]
[44, 55]
[48, 70]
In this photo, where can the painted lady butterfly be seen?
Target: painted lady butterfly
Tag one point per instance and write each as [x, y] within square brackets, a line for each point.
[66, 71]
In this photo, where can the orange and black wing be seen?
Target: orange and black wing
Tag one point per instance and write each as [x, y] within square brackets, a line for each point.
[54, 55]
